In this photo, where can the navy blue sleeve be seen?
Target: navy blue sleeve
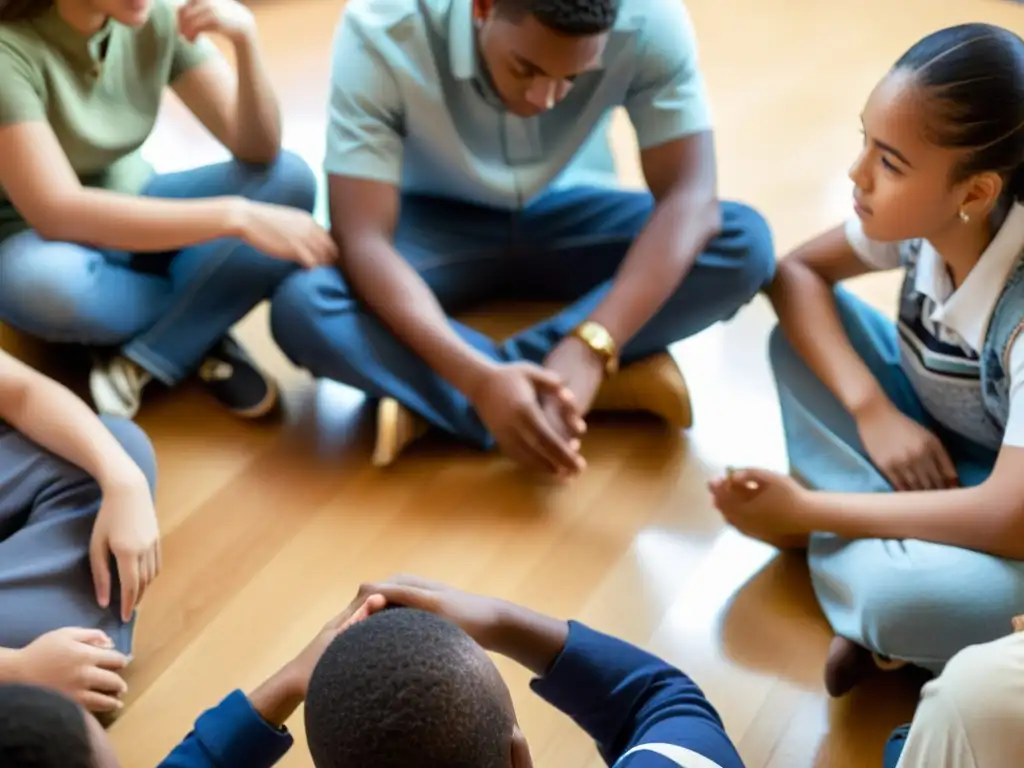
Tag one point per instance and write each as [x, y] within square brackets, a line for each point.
[231, 735]
[894, 746]
[624, 697]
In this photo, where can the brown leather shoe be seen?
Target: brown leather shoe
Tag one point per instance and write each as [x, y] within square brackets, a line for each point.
[654, 385]
[848, 665]
[397, 428]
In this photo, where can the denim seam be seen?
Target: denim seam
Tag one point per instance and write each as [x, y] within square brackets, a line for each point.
[181, 305]
[157, 365]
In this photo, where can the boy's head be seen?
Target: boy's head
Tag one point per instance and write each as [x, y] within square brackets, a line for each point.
[40, 728]
[535, 49]
[406, 689]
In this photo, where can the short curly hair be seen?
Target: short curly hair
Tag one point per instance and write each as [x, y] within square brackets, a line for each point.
[575, 18]
[40, 728]
[406, 689]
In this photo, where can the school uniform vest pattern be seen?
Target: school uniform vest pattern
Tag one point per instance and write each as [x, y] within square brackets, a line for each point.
[1003, 329]
[978, 412]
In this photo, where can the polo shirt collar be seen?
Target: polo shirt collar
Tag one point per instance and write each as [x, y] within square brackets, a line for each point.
[968, 309]
[86, 50]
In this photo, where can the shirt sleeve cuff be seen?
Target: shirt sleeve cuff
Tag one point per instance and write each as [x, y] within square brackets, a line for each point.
[653, 130]
[367, 170]
[188, 56]
[364, 156]
[235, 733]
[578, 674]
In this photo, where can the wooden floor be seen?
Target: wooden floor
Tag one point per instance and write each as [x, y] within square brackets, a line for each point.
[270, 528]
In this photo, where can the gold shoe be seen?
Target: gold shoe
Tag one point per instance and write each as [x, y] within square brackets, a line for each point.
[397, 428]
[653, 385]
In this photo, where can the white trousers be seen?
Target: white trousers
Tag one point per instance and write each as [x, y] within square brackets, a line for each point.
[972, 716]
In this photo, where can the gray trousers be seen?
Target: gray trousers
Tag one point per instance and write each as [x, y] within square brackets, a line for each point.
[47, 511]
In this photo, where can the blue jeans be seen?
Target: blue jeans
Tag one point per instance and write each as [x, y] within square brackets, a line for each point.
[911, 600]
[164, 310]
[564, 247]
[47, 511]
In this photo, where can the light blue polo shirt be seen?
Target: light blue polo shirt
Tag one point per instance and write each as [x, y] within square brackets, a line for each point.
[409, 105]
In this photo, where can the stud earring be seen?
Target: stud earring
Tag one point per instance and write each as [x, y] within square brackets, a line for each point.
[964, 216]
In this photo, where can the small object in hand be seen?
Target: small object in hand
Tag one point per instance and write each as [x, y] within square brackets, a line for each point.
[1018, 623]
[750, 485]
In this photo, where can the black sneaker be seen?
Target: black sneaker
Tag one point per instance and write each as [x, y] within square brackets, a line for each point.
[231, 377]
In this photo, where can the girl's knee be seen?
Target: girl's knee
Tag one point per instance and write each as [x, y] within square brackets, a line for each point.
[927, 615]
[290, 182]
[42, 285]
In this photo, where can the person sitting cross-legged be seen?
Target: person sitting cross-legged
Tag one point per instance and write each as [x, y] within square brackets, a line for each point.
[468, 161]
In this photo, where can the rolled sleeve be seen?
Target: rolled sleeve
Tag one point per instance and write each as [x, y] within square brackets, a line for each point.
[668, 97]
[185, 55]
[231, 734]
[364, 126]
[20, 88]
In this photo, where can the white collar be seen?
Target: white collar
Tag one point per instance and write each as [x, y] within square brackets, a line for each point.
[968, 309]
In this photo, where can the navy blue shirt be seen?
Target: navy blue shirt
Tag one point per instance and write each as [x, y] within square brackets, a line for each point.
[641, 712]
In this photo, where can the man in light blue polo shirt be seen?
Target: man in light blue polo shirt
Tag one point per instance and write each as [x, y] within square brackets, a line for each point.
[467, 160]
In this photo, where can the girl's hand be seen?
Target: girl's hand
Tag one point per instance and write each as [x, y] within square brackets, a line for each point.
[291, 234]
[228, 18]
[910, 457]
[764, 505]
[80, 663]
[126, 530]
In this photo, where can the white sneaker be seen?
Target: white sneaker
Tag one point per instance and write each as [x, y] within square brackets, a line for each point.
[116, 386]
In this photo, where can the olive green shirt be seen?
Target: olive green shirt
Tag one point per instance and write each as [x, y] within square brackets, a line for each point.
[99, 94]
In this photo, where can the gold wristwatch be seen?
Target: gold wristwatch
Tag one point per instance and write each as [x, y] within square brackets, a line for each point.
[596, 336]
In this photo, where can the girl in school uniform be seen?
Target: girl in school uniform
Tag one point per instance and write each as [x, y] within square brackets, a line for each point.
[906, 439]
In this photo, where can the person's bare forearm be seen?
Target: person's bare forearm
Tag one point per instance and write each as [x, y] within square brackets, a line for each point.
[408, 308]
[527, 637]
[53, 417]
[277, 699]
[977, 518]
[142, 224]
[806, 308]
[681, 227]
[9, 670]
[259, 115]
